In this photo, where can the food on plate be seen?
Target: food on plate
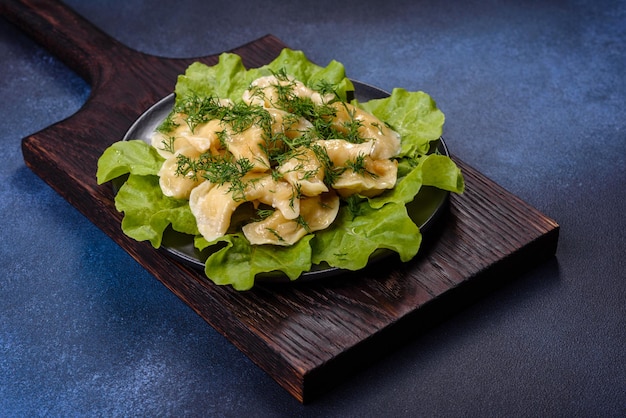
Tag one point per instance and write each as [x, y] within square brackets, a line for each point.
[276, 169]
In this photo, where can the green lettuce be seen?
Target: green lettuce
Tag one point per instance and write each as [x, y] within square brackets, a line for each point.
[239, 262]
[414, 115]
[361, 228]
[147, 212]
[126, 157]
[229, 78]
[350, 241]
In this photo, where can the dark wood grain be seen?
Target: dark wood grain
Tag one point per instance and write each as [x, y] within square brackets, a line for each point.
[307, 336]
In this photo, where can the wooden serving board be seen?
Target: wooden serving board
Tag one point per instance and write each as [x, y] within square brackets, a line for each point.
[307, 336]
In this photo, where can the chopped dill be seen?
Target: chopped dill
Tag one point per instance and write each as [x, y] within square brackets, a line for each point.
[276, 234]
[358, 166]
[262, 214]
[303, 223]
[217, 169]
[354, 205]
[330, 172]
[168, 144]
[168, 124]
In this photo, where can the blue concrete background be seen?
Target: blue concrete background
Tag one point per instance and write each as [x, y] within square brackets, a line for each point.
[534, 94]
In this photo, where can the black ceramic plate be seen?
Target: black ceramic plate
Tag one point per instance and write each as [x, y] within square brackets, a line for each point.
[424, 210]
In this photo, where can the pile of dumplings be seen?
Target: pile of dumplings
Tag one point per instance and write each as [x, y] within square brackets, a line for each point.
[295, 189]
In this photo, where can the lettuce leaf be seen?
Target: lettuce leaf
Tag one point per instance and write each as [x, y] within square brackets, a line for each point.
[238, 263]
[350, 241]
[229, 78]
[441, 172]
[147, 212]
[414, 115]
[128, 157]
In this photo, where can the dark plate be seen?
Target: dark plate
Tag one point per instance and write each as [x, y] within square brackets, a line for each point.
[426, 208]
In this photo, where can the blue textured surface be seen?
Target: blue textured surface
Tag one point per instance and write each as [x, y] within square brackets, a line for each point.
[535, 98]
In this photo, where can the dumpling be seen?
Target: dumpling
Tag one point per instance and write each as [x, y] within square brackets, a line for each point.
[316, 213]
[340, 151]
[270, 91]
[304, 172]
[249, 145]
[286, 123]
[205, 137]
[213, 206]
[373, 176]
[276, 193]
[176, 185]
[376, 177]
[274, 229]
[386, 142]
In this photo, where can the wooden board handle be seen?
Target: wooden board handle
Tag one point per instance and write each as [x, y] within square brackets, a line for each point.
[78, 43]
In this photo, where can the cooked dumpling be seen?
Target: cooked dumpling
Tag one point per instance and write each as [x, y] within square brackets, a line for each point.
[320, 211]
[271, 91]
[168, 143]
[249, 145]
[176, 185]
[340, 151]
[275, 161]
[205, 137]
[304, 172]
[276, 193]
[213, 205]
[316, 213]
[360, 172]
[286, 123]
[386, 142]
[376, 177]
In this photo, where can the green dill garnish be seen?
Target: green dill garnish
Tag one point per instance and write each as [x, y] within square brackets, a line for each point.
[303, 223]
[358, 166]
[197, 110]
[239, 116]
[354, 205]
[263, 213]
[330, 172]
[297, 194]
[168, 124]
[186, 167]
[324, 87]
[352, 131]
[276, 234]
[217, 169]
[280, 74]
[222, 136]
[168, 144]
